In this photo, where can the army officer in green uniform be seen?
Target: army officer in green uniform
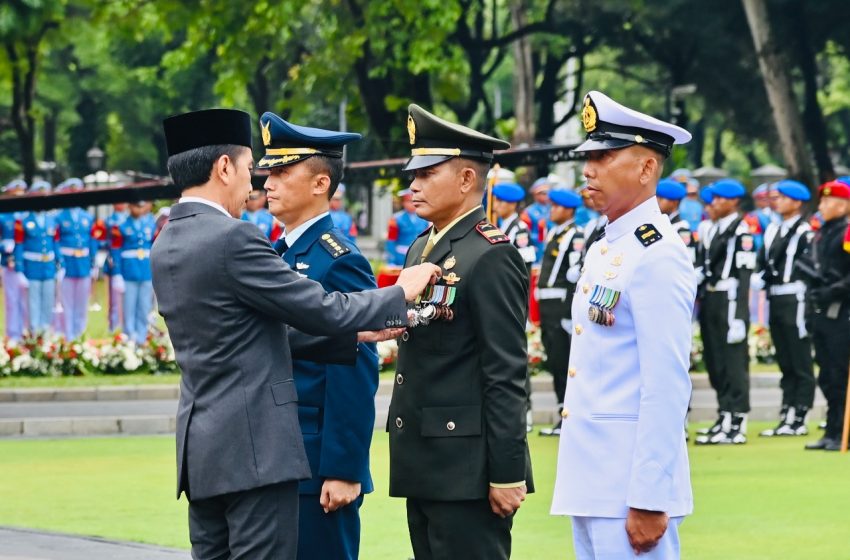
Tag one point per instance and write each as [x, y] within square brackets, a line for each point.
[458, 449]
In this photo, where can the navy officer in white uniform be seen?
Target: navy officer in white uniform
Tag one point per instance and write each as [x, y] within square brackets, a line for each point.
[623, 471]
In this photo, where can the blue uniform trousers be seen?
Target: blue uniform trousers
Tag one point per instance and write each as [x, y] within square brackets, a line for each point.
[328, 535]
[16, 309]
[115, 304]
[75, 303]
[604, 538]
[138, 299]
[42, 298]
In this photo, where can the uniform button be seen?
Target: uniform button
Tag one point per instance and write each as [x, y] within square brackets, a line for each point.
[564, 412]
[389, 323]
[571, 372]
[585, 288]
[603, 249]
[579, 329]
[450, 426]
[399, 378]
[399, 423]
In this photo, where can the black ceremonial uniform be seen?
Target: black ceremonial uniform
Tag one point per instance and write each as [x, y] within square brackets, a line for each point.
[684, 230]
[555, 292]
[519, 236]
[783, 246]
[456, 419]
[727, 265]
[830, 303]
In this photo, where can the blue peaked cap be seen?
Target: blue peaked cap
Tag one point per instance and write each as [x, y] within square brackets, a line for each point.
[509, 192]
[794, 189]
[670, 189]
[565, 198]
[288, 143]
[728, 188]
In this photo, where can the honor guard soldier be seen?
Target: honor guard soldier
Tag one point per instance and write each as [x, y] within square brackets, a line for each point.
[506, 197]
[336, 403]
[556, 286]
[14, 298]
[536, 214]
[622, 470]
[403, 229]
[458, 448]
[595, 227]
[784, 245]
[670, 194]
[131, 254]
[728, 263]
[829, 299]
[79, 237]
[256, 213]
[37, 258]
[115, 219]
[340, 216]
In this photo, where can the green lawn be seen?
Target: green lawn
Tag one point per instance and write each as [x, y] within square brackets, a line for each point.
[766, 500]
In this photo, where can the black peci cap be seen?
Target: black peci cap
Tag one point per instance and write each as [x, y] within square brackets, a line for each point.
[209, 127]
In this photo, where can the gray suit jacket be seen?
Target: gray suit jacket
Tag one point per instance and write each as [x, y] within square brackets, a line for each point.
[227, 299]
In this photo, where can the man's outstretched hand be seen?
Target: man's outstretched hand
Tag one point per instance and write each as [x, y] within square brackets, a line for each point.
[414, 279]
[379, 336]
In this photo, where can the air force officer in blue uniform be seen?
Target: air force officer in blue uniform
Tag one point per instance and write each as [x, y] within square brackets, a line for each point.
[623, 471]
[336, 403]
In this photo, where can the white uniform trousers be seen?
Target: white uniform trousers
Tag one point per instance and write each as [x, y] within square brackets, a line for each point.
[605, 538]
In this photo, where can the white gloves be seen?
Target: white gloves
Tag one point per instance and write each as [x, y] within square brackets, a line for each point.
[60, 275]
[700, 275]
[94, 272]
[757, 281]
[118, 284]
[573, 274]
[22, 280]
[567, 325]
[737, 332]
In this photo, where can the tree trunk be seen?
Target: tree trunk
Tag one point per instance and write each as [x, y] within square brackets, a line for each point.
[23, 81]
[719, 157]
[815, 127]
[523, 79]
[697, 144]
[778, 84]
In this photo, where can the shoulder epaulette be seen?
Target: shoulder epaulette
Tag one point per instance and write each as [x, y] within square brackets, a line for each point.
[333, 245]
[647, 234]
[491, 233]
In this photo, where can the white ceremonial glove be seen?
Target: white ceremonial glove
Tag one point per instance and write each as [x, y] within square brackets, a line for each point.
[118, 284]
[737, 332]
[573, 274]
[60, 275]
[22, 280]
[757, 281]
[700, 275]
[567, 325]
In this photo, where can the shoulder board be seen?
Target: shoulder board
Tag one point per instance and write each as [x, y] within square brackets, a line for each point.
[491, 233]
[333, 245]
[647, 234]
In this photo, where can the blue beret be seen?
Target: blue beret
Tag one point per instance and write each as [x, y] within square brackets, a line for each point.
[509, 192]
[670, 189]
[565, 198]
[728, 188]
[844, 179]
[706, 195]
[794, 189]
[288, 143]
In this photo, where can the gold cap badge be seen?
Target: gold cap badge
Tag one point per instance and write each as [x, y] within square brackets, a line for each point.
[588, 115]
[267, 133]
[411, 129]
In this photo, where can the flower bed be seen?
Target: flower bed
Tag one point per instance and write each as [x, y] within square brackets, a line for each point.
[53, 356]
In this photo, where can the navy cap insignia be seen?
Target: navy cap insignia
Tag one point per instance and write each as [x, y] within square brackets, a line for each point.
[647, 234]
[267, 133]
[588, 115]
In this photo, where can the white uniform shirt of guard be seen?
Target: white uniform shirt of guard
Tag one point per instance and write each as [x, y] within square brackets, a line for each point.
[622, 442]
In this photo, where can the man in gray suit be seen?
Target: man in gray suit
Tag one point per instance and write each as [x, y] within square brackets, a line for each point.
[228, 301]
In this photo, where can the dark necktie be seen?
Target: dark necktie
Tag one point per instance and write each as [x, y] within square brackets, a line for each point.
[280, 247]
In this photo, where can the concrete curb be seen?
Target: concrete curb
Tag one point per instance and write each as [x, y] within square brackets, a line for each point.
[88, 426]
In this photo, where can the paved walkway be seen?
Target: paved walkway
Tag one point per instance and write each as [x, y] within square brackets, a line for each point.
[25, 544]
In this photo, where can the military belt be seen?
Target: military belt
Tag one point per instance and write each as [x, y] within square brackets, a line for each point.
[38, 257]
[794, 288]
[551, 293]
